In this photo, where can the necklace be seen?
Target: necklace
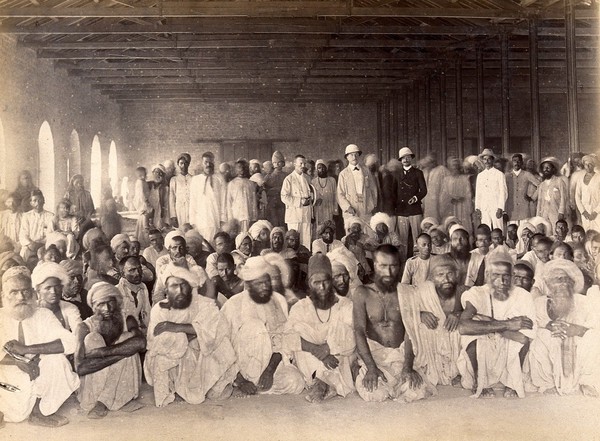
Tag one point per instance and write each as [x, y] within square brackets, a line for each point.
[319, 181]
[381, 297]
[328, 316]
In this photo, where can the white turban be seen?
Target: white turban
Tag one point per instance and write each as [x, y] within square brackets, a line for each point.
[255, 268]
[194, 276]
[118, 240]
[54, 238]
[240, 238]
[568, 267]
[277, 262]
[15, 271]
[102, 291]
[45, 270]
[344, 256]
[428, 221]
[382, 218]
[172, 235]
[258, 179]
[257, 227]
[455, 228]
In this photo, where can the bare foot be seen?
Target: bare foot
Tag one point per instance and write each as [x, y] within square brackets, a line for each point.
[488, 393]
[589, 391]
[456, 381]
[99, 411]
[510, 393]
[317, 392]
[38, 419]
[551, 391]
[227, 392]
[239, 393]
[132, 406]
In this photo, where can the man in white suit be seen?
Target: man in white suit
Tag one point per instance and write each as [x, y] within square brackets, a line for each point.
[356, 189]
[296, 195]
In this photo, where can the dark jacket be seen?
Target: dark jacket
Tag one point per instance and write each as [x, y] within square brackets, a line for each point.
[404, 186]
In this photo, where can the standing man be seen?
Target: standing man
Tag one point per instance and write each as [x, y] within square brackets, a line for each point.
[409, 189]
[356, 187]
[520, 183]
[296, 195]
[241, 197]
[490, 192]
[207, 199]
[273, 183]
[552, 193]
[35, 225]
[326, 204]
[179, 192]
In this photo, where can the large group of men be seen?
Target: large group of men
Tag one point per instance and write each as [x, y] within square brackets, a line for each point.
[308, 278]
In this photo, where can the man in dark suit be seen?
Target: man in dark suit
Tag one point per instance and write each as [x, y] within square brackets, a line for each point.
[409, 189]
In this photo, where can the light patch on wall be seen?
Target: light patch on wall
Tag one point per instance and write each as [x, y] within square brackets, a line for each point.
[46, 168]
[96, 172]
[74, 155]
[113, 170]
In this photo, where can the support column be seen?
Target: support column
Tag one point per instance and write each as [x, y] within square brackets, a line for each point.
[572, 112]
[395, 128]
[504, 73]
[460, 148]
[405, 116]
[380, 130]
[428, 114]
[443, 135]
[480, 101]
[416, 121]
[534, 91]
[387, 125]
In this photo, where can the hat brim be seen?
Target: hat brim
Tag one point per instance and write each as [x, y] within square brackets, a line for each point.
[349, 153]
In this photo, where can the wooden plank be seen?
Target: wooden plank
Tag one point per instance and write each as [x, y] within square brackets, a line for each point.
[534, 93]
[505, 95]
[443, 129]
[428, 129]
[460, 151]
[572, 110]
[480, 101]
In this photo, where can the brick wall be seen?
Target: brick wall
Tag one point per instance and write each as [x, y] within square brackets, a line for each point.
[33, 91]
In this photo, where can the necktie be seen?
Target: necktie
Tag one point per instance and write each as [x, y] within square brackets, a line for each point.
[208, 183]
[480, 281]
[356, 169]
[135, 298]
[327, 247]
[21, 334]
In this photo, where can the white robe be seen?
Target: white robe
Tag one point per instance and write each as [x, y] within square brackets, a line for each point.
[241, 202]
[208, 204]
[490, 195]
[587, 198]
[179, 198]
[56, 381]
[189, 368]
[337, 332]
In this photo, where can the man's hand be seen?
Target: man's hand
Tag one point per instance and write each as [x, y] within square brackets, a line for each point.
[351, 211]
[570, 329]
[593, 216]
[429, 319]
[318, 202]
[320, 351]
[163, 327]
[371, 378]
[528, 198]
[16, 347]
[518, 323]
[32, 368]
[413, 378]
[499, 213]
[266, 380]
[247, 387]
[452, 321]
[331, 362]
[412, 200]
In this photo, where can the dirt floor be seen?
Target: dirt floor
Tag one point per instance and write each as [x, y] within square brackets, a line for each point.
[452, 415]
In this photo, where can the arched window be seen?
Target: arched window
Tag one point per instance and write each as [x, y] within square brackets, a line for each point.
[74, 158]
[46, 165]
[96, 172]
[113, 171]
[2, 158]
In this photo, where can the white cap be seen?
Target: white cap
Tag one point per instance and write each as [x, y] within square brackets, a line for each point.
[405, 151]
[352, 148]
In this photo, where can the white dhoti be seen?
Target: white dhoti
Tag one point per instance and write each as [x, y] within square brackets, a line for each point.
[55, 384]
[390, 361]
[115, 385]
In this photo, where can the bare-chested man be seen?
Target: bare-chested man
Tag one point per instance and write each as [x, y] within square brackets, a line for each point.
[107, 356]
[384, 347]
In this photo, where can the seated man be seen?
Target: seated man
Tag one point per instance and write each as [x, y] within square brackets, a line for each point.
[188, 350]
[156, 248]
[416, 270]
[431, 312]
[384, 347]
[497, 327]
[74, 292]
[292, 239]
[539, 255]
[523, 275]
[227, 283]
[328, 346]
[476, 268]
[222, 245]
[136, 300]
[355, 241]
[38, 376]
[565, 356]
[257, 319]
[327, 241]
[107, 356]
[49, 280]
[278, 244]
[340, 279]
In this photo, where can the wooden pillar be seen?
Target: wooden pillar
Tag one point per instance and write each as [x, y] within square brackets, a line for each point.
[428, 114]
[504, 73]
[534, 91]
[416, 120]
[380, 130]
[387, 119]
[395, 129]
[480, 101]
[443, 135]
[404, 116]
[572, 113]
[460, 148]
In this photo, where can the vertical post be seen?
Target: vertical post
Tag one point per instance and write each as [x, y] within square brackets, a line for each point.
[573, 118]
[379, 130]
[534, 91]
[460, 148]
[417, 118]
[394, 110]
[404, 116]
[480, 100]
[387, 125]
[428, 114]
[505, 94]
[443, 136]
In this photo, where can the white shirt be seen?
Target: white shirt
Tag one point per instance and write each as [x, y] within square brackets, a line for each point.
[358, 178]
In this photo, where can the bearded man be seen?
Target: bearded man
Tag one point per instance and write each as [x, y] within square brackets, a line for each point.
[497, 326]
[340, 279]
[384, 346]
[35, 371]
[326, 198]
[257, 328]
[323, 321]
[107, 356]
[552, 194]
[431, 312]
[459, 250]
[188, 349]
[565, 356]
